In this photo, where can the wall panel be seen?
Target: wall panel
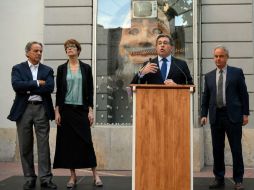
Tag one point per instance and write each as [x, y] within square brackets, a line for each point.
[68, 15]
[68, 3]
[227, 13]
[227, 32]
[58, 52]
[236, 49]
[225, 1]
[59, 34]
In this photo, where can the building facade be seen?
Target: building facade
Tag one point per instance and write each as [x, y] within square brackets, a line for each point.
[197, 26]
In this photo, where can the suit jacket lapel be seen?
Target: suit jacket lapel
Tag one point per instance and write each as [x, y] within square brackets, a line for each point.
[64, 77]
[228, 76]
[172, 68]
[39, 72]
[28, 70]
[213, 80]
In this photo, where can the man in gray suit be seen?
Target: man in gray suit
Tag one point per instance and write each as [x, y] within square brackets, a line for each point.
[33, 84]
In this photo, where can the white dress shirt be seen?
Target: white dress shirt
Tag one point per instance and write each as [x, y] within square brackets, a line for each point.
[168, 63]
[34, 71]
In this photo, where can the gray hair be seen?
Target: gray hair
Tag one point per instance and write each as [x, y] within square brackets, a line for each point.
[29, 45]
[223, 48]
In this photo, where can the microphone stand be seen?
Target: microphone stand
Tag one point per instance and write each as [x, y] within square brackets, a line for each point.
[142, 68]
[186, 81]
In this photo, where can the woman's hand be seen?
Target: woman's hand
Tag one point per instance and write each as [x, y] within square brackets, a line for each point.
[57, 116]
[91, 116]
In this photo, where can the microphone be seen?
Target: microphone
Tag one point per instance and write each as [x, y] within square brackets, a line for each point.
[142, 68]
[186, 81]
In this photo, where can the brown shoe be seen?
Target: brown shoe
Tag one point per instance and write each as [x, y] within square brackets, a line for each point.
[216, 184]
[239, 186]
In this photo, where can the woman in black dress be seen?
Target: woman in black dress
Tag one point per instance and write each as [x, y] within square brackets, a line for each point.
[74, 115]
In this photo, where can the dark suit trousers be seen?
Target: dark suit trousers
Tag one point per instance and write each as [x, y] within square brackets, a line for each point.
[221, 127]
[34, 115]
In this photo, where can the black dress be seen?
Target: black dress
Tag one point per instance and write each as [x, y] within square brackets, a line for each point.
[74, 146]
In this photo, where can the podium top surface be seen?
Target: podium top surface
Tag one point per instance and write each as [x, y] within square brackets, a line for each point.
[161, 86]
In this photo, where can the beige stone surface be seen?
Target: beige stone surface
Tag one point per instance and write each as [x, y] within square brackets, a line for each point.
[7, 144]
[113, 147]
[247, 146]
[198, 149]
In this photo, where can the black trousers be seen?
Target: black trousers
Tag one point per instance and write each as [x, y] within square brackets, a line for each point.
[233, 131]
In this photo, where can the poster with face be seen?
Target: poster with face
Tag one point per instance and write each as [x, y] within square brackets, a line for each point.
[126, 37]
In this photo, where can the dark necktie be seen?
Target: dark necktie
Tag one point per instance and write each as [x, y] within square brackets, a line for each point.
[164, 68]
[220, 90]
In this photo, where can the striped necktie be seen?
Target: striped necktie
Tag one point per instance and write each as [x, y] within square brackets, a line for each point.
[220, 90]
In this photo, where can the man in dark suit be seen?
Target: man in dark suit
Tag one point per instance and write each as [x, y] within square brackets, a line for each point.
[33, 84]
[226, 97]
[164, 69]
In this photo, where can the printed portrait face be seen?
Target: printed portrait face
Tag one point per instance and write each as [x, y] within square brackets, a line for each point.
[138, 42]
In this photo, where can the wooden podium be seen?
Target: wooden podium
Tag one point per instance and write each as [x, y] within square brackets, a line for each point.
[162, 137]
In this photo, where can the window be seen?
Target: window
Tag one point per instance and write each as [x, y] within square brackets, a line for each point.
[126, 34]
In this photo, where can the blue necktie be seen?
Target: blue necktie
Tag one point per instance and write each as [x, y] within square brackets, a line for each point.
[164, 68]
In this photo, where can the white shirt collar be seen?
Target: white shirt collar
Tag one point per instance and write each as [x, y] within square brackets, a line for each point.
[224, 69]
[168, 58]
[30, 64]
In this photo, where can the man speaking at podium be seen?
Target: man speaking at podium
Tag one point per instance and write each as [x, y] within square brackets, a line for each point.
[164, 69]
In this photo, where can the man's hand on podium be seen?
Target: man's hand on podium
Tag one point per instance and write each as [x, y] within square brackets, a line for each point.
[169, 82]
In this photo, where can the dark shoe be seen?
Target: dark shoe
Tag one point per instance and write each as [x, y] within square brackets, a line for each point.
[49, 185]
[29, 185]
[239, 186]
[217, 184]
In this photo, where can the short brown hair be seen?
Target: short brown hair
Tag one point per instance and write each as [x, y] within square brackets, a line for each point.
[171, 41]
[72, 41]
